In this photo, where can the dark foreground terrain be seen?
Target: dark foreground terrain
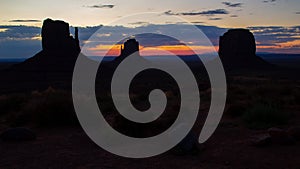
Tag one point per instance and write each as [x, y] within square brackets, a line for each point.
[260, 128]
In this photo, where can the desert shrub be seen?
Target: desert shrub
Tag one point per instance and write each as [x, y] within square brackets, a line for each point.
[237, 93]
[238, 90]
[272, 89]
[237, 110]
[297, 96]
[51, 108]
[11, 103]
[264, 115]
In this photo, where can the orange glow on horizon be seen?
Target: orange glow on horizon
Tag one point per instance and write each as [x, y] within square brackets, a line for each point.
[290, 44]
[284, 47]
[114, 50]
[100, 50]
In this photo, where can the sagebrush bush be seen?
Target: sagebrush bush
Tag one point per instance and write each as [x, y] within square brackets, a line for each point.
[237, 110]
[11, 103]
[48, 108]
[52, 108]
[264, 115]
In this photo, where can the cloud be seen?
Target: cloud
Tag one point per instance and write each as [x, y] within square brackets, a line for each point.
[215, 19]
[105, 6]
[205, 13]
[270, 37]
[103, 35]
[198, 22]
[269, 1]
[170, 22]
[139, 23]
[233, 5]
[24, 20]
[3, 29]
[19, 32]
[19, 41]
[208, 12]
[169, 12]
[150, 40]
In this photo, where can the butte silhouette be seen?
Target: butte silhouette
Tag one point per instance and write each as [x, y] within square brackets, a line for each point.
[52, 66]
[130, 46]
[60, 50]
[237, 50]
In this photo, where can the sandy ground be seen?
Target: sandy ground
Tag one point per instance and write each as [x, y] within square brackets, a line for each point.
[229, 147]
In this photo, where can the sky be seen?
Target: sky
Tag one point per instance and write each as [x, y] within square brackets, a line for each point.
[275, 23]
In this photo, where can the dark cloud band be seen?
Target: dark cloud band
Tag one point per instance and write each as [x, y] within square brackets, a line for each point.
[107, 6]
[24, 20]
[233, 5]
[205, 13]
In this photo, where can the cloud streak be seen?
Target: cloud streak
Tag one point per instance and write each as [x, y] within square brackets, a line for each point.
[203, 13]
[104, 6]
[208, 12]
[277, 38]
[169, 12]
[139, 23]
[269, 1]
[215, 19]
[24, 20]
[233, 5]
[198, 22]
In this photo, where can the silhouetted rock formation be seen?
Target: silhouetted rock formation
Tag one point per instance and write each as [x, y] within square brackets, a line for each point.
[60, 49]
[237, 42]
[130, 46]
[237, 50]
[56, 36]
[54, 64]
